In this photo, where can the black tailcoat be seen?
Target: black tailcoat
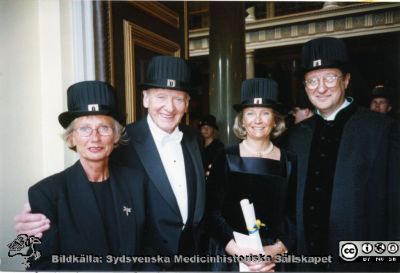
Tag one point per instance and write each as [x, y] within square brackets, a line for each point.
[76, 228]
[365, 190]
[165, 233]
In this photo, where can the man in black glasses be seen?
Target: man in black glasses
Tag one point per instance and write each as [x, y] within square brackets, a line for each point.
[348, 164]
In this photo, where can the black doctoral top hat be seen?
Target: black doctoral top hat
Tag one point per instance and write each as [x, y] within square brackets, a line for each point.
[209, 120]
[89, 98]
[325, 52]
[259, 92]
[168, 73]
[381, 91]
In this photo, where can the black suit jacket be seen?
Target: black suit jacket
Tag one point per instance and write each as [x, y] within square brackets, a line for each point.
[365, 202]
[164, 228]
[67, 199]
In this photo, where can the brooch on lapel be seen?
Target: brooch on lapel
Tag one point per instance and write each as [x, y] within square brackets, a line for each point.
[127, 210]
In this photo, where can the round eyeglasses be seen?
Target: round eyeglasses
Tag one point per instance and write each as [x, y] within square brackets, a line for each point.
[329, 81]
[87, 131]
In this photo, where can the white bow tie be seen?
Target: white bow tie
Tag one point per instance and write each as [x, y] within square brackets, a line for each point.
[174, 138]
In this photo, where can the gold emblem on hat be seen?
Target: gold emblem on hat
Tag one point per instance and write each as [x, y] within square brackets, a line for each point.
[257, 101]
[93, 107]
[171, 83]
[317, 63]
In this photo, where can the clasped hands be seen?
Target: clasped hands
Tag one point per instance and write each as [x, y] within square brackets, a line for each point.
[257, 265]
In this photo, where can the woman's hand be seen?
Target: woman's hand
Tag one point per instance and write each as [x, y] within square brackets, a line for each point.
[30, 223]
[267, 265]
[254, 265]
[271, 251]
[276, 249]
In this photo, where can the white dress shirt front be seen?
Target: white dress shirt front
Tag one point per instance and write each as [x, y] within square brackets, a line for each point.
[170, 150]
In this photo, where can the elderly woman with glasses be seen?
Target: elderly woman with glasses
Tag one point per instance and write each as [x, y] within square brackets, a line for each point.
[96, 209]
[256, 170]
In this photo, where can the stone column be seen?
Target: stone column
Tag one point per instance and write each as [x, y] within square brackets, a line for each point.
[102, 41]
[227, 63]
[249, 64]
[270, 9]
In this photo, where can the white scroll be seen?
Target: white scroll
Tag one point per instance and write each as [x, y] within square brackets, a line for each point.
[252, 240]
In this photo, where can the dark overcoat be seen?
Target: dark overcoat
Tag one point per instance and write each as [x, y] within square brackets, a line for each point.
[365, 202]
[68, 201]
[166, 234]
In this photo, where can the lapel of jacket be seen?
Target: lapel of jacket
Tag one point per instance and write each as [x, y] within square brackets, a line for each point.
[352, 154]
[303, 152]
[302, 148]
[124, 210]
[84, 210]
[144, 144]
[195, 155]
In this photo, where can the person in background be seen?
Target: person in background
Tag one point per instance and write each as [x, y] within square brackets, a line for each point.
[348, 165]
[170, 156]
[208, 128]
[256, 170]
[94, 207]
[303, 108]
[380, 99]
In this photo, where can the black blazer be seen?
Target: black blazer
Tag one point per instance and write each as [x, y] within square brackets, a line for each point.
[76, 228]
[365, 201]
[164, 228]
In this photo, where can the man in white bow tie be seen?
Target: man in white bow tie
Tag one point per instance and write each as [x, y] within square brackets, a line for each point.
[170, 155]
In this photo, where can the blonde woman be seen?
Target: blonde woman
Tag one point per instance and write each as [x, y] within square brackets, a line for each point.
[256, 170]
[94, 207]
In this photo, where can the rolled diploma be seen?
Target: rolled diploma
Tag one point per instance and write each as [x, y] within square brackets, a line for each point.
[250, 219]
[252, 241]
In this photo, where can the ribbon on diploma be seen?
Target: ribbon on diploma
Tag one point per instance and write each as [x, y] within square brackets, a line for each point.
[256, 227]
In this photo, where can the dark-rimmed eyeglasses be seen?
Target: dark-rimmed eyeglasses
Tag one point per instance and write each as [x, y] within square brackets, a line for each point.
[329, 81]
[86, 131]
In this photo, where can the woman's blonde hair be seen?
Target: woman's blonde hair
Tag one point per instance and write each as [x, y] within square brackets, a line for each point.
[118, 129]
[278, 129]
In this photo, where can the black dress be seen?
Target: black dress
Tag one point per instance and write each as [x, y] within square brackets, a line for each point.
[268, 184]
